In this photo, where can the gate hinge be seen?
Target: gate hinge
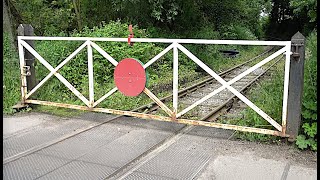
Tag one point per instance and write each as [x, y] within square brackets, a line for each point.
[26, 71]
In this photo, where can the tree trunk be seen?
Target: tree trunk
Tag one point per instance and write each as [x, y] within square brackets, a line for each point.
[77, 10]
[8, 23]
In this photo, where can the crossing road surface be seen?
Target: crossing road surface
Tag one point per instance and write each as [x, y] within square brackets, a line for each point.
[35, 146]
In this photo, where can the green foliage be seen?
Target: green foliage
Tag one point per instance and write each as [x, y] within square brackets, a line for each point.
[47, 17]
[309, 5]
[310, 80]
[76, 70]
[267, 95]
[103, 69]
[238, 13]
[164, 10]
[11, 76]
[50, 17]
[308, 138]
[237, 32]
[302, 142]
[211, 55]
[311, 131]
[289, 16]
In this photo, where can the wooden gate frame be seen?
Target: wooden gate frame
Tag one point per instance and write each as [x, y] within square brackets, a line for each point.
[175, 44]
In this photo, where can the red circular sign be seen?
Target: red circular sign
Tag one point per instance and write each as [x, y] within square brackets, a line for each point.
[130, 77]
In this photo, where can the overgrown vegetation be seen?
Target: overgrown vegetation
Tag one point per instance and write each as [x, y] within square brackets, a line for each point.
[289, 16]
[267, 95]
[308, 136]
[11, 76]
[53, 16]
[77, 74]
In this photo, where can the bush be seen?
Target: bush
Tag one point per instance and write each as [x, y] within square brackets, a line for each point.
[76, 71]
[47, 17]
[55, 51]
[307, 137]
[11, 76]
[237, 32]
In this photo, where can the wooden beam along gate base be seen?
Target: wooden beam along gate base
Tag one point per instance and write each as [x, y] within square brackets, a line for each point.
[173, 114]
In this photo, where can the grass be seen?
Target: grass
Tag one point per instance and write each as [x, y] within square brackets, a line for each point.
[11, 76]
[268, 96]
[58, 111]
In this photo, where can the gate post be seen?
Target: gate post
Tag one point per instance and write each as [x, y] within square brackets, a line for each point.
[295, 85]
[27, 30]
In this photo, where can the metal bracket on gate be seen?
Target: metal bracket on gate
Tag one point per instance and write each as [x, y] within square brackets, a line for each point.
[26, 71]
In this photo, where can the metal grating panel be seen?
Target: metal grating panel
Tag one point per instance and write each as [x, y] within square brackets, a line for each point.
[7, 152]
[182, 160]
[139, 175]
[31, 167]
[20, 123]
[79, 170]
[126, 148]
[96, 117]
[211, 132]
[44, 134]
[85, 142]
[148, 124]
[130, 121]
[30, 139]
[164, 126]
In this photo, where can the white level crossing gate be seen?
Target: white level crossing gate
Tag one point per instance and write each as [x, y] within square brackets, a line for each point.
[175, 45]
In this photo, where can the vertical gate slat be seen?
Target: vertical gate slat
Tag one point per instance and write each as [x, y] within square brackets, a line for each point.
[90, 73]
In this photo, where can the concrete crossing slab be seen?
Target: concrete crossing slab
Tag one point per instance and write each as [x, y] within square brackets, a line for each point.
[298, 173]
[243, 167]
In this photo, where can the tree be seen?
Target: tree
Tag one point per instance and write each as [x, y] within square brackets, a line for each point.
[287, 17]
[76, 6]
[309, 6]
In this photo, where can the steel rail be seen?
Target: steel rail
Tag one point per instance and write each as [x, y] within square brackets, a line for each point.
[208, 80]
[228, 101]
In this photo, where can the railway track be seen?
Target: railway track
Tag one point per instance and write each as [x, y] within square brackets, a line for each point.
[210, 108]
[186, 96]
